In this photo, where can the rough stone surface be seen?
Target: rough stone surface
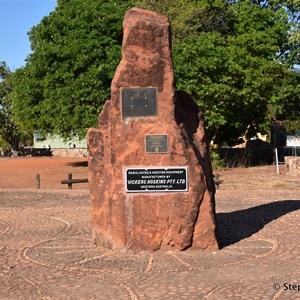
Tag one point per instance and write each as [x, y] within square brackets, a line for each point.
[292, 165]
[150, 221]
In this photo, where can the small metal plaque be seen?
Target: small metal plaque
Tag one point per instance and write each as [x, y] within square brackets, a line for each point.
[171, 179]
[139, 102]
[157, 143]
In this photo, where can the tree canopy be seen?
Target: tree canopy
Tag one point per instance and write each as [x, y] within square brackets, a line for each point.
[234, 60]
[8, 130]
[75, 51]
[234, 57]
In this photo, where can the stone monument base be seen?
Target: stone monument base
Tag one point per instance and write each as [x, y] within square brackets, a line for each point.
[292, 165]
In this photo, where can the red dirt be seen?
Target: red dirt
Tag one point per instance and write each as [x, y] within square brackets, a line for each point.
[20, 173]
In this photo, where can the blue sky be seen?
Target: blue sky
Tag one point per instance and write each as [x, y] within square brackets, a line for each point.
[16, 18]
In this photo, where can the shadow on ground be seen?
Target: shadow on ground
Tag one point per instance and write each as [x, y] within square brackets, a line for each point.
[238, 225]
[78, 164]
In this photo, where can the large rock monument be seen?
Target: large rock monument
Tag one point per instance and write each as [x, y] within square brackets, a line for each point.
[150, 175]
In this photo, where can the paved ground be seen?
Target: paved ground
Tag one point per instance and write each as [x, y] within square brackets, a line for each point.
[46, 249]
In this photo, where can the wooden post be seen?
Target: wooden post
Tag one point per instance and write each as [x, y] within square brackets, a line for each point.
[38, 181]
[70, 181]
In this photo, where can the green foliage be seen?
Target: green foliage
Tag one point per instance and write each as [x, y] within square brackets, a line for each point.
[190, 17]
[295, 33]
[292, 126]
[66, 81]
[8, 130]
[232, 76]
[216, 161]
[288, 109]
[234, 57]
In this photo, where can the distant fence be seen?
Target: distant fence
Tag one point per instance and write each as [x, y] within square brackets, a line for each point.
[70, 181]
[287, 151]
[235, 157]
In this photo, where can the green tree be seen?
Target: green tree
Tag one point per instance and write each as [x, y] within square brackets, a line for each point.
[295, 9]
[190, 17]
[75, 51]
[288, 109]
[234, 57]
[8, 131]
[233, 62]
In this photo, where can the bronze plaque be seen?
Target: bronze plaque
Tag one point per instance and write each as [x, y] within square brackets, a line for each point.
[139, 102]
[157, 143]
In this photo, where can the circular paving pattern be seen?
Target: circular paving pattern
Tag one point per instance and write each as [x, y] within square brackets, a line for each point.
[3, 228]
[47, 252]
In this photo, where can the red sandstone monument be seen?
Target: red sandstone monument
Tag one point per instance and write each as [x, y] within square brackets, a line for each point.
[151, 184]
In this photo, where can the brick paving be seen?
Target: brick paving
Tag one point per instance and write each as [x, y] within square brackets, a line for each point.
[47, 252]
